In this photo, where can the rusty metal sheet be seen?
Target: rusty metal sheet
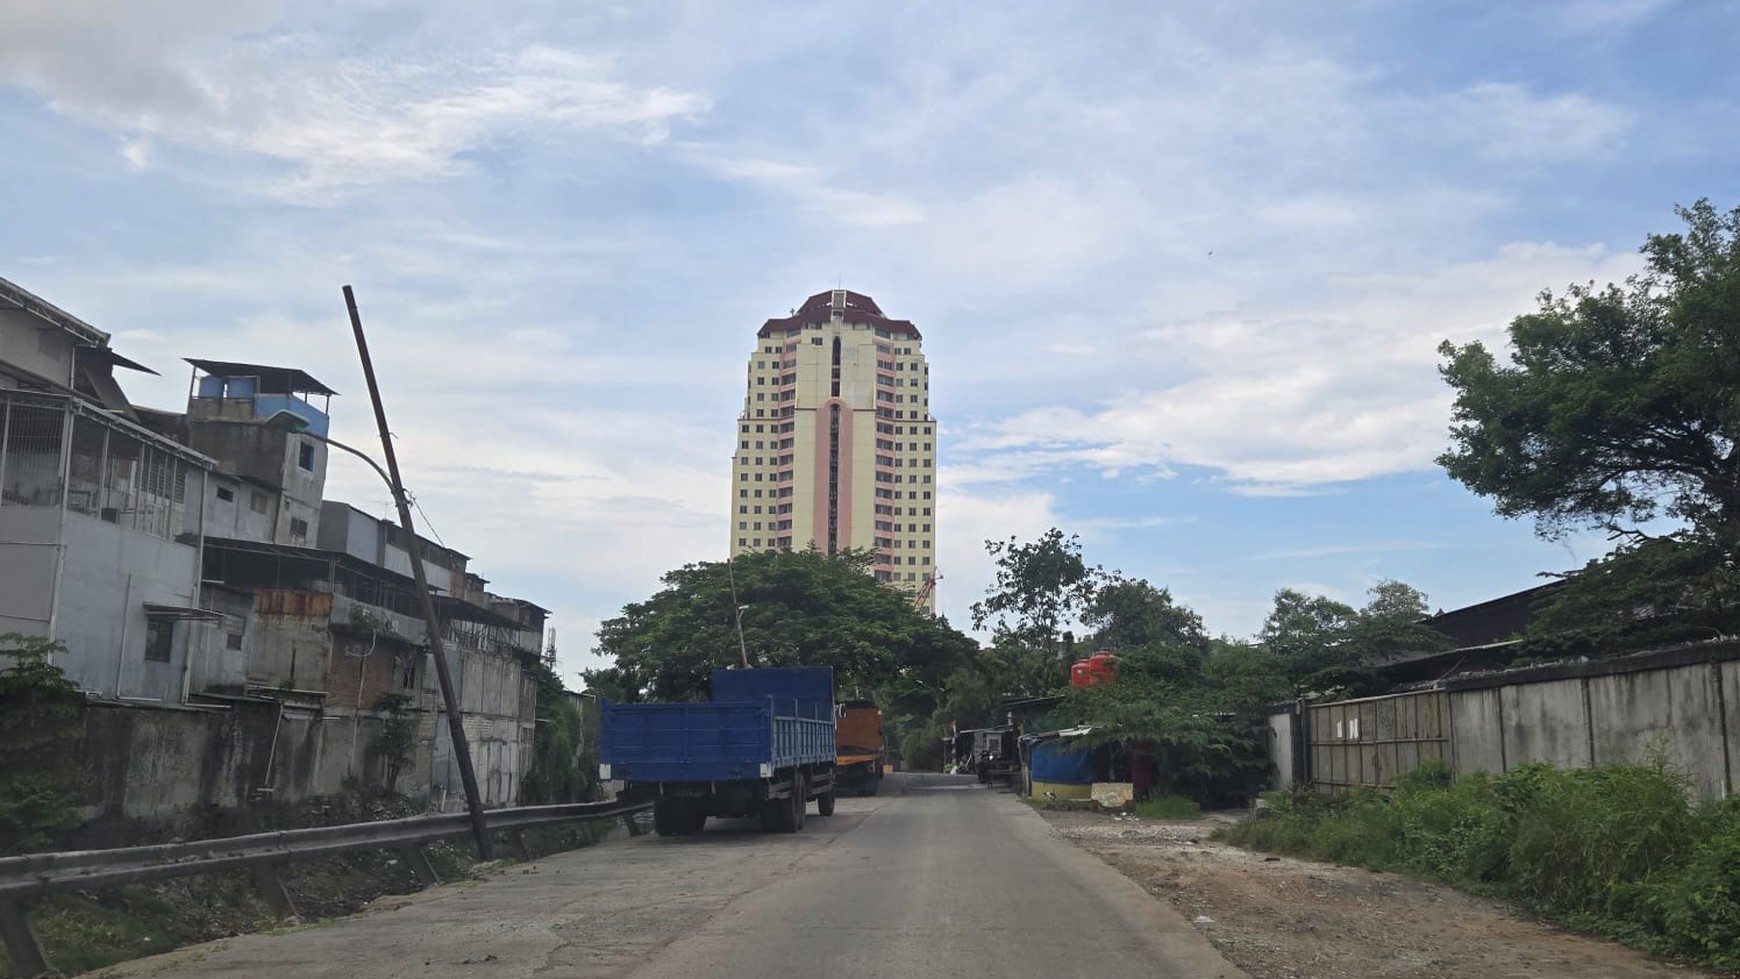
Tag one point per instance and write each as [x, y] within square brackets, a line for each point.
[293, 603]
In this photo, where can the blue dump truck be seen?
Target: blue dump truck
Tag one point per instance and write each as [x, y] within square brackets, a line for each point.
[762, 747]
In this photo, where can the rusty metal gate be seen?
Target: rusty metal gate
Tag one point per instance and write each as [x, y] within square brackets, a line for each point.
[1369, 742]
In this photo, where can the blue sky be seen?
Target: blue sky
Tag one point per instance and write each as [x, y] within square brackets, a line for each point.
[1181, 273]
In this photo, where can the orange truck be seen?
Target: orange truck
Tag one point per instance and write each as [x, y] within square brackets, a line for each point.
[862, 750]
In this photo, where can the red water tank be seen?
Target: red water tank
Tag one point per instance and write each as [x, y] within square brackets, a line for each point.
[1102, 667]
[1081, 675]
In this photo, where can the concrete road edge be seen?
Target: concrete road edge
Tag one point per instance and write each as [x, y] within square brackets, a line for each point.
[1142, 912]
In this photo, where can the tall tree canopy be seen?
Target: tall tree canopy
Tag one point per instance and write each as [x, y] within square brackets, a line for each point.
[1041, 586]
[1619, 409]
[1325, 645]
[799, 608]
[1131, 614]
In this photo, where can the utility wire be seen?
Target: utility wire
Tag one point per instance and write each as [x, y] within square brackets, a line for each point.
[426, 524]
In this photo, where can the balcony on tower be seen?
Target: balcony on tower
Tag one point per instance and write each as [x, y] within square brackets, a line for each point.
[226, 391]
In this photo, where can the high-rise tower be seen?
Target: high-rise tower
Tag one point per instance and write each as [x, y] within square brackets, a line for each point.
[836, 444]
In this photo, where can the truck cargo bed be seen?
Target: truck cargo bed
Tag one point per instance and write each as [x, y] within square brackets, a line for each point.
[709, 742]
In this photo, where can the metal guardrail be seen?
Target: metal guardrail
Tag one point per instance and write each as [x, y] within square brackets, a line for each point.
[36, 874]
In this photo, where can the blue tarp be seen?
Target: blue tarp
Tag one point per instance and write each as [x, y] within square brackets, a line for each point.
[1058, 763]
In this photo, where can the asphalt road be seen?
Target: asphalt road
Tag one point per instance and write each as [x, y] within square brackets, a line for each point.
[934, 877]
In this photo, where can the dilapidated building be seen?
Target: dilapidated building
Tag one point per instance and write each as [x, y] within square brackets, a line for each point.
[190, 562]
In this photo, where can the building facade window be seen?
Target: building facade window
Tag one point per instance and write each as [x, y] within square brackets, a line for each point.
[159, 640]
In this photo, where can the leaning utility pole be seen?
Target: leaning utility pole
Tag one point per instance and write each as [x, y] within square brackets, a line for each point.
[431, 622]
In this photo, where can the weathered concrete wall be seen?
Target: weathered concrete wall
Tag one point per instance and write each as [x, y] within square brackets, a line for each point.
[499, 704]
[1545, 722]
[1673, 711]
[28, 554]
[151, 761]
[218, 656]
[29, 343]
[501, 753]
[1281, 746]
[1477, 731]
[1730, 680]
[1684, 702]
[241, 517]
[344, 528]
[163, 763]
[110, 572]
[291, 640]
[242, 447]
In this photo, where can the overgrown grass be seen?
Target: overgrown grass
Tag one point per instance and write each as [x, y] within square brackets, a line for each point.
[1168, 807]
[1617, 850]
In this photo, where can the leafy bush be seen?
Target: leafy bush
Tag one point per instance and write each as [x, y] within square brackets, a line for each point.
[41, 764]
[1616, 849]
[1591, 831]
[1693, 907]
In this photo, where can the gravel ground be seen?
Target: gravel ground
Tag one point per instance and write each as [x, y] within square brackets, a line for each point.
[1281, 918]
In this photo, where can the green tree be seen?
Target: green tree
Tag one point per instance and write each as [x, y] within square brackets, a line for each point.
[42, 774]
[798, 608]
[1131, 613]
[1206, 747]
[1041, 586]
[1391, 625]
[1309, 634]
[563, 759]
[1244, 677]
[1327, 647]
[398, 736]
[1619, 409]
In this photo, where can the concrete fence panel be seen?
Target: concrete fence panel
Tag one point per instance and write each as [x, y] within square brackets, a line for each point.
[1545, 722]
[1675, 711]
[1684, 701]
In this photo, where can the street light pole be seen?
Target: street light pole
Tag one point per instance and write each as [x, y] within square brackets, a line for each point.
[431, 622]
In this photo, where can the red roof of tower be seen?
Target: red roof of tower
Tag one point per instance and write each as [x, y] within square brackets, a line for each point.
[859, 309]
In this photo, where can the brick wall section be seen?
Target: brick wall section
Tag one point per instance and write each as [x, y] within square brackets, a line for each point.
[380, 667]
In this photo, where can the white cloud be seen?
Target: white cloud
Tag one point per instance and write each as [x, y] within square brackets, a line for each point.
[811, 188]
[1333, 550]
[1285, 403]
[1510, 123]
[1040, 189]
[119, 59]
[137, 152]
[215, 76]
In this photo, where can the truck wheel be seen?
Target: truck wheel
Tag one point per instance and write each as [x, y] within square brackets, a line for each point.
[825, 804]
[800, 800]
[667, 817]
[770, 811]
[785, 815]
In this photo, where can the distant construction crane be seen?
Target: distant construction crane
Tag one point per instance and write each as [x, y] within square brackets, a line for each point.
[921, 598]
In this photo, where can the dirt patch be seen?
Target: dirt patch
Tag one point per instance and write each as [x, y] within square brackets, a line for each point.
[1281, 918]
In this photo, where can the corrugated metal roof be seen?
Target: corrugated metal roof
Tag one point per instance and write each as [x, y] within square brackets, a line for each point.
[273, 380]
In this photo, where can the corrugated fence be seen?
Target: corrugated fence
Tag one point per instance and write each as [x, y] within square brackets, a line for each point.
[1683, 702]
